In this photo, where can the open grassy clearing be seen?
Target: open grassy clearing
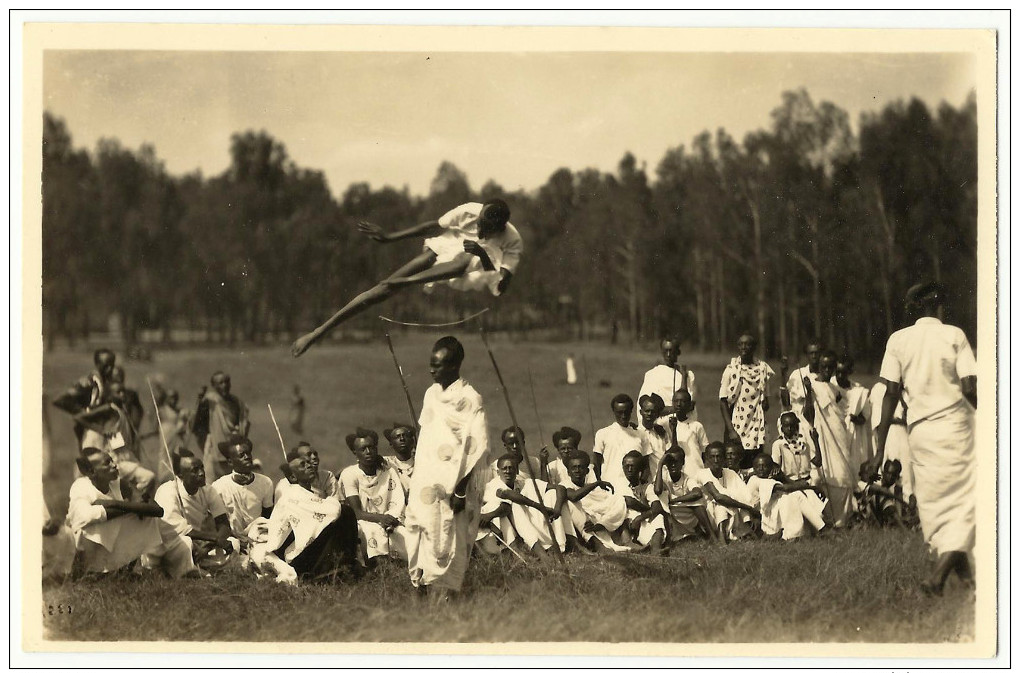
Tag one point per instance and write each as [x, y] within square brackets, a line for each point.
[854, 586]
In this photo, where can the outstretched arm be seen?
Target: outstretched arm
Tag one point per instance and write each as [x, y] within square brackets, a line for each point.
[423, 230]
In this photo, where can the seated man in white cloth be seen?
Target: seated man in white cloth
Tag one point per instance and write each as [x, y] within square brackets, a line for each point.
[197, 513]
[726, 496]
[646, 524]
[934, 366]
[512, 509]
[472, 247]
[668, 378]
[681, 498]
[106, 538]
[785, 506]
[372, 489]
[450, 470]
[309, 538]
[247, 495]
[325, 482]
[596, 511]
[109, 428]
[566, 440]
[513, 441]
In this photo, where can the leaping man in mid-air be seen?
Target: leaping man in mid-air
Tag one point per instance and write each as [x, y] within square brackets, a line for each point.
[472, 247]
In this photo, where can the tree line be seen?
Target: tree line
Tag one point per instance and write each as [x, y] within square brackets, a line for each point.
[802, 228]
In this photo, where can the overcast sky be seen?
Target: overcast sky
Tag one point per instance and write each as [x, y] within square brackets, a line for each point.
[515, 118]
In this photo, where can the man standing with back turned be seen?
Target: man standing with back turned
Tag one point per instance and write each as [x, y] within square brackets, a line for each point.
[934, 366]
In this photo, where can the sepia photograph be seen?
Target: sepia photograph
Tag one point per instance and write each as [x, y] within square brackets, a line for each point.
[506, 340]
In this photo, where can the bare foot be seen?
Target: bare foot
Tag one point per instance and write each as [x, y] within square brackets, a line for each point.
[301, 345]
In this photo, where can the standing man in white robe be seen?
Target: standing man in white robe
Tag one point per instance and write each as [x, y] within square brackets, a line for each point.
[824, 413]
[667, 378]
[793, 393]
[934, 366]
[858, 412]
[450, 472]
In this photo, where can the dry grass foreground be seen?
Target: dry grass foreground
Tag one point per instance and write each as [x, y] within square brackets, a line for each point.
[856, 586]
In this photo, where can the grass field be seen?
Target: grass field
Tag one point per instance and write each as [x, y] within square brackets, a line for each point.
[858, 585]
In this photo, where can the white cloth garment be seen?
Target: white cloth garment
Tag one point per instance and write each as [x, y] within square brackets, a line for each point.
[728, 483]
[660, 380]
[930, 359]
[613, 443]
[743, 387]
[379, 493]
[786, 512]
[244, 502]
[692, 438]
[452, 444]
[525, 522]
[109, 544]
[461, 224]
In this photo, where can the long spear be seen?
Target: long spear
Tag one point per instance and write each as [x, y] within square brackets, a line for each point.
[166, 447]
[403, 383]
[534, 401]
[513, 419]
[587, 391]
[283, 447]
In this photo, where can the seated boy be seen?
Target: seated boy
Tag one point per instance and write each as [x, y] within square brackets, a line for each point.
[596, 511]
[106, 538]
[784, 505]
[735, 457]
[565, 440]
[513, 441]
[686, 434]
[247, 495]
[512, 509]
[403, 442]
[646, 524]
[325, 482]
[197, 513]
[372, 489]
[883, 499]
[308, 538]
[726, 494]
[790, 453]
[681, 499]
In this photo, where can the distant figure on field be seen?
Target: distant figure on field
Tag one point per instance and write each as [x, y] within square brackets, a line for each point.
[297, 412]
[220, 414]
